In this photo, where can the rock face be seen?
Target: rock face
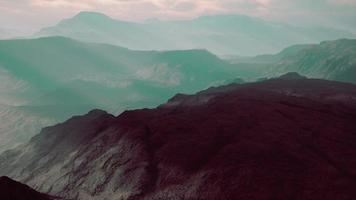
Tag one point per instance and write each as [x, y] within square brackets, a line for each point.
[12, 190]
[277, 139]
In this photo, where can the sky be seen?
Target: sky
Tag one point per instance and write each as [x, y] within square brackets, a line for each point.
[32, 15]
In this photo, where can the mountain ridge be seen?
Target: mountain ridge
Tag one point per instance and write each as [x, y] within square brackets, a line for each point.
[49, 79]
[332, 60]
[210, 145]
[221, 34]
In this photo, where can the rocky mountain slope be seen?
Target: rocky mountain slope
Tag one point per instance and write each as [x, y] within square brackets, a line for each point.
[19, 124]
[221, 34]
[48, 80]
[12, 190]
[288, 138]
[333, 60]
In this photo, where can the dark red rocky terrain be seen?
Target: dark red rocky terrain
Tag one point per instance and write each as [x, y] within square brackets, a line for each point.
[290, 138]
[12, 190]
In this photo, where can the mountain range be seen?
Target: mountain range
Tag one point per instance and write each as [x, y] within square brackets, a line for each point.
[256, 110]
[283, 138]
[333, 60]
[47, 80]
[220, 34]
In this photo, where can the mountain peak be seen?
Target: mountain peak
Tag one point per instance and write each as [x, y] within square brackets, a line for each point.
[89, 17]
[97, 112]
[90, 14]
[292, 76]
[226, 17]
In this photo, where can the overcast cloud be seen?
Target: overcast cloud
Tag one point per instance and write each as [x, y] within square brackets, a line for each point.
[34, 14]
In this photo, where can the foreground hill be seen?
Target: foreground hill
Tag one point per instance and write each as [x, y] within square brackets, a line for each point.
[333, 60]
[221, 34]
[12, 190]
[50, 79]
[287, 138]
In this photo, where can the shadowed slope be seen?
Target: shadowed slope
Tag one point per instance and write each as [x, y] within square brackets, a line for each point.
[278, 139]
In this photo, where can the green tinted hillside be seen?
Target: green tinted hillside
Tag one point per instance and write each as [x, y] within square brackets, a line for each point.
[334, 60]
[51, 79]
[50, 62]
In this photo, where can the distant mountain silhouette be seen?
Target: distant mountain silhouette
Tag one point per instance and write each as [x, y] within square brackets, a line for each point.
[220, 34]
[286, 138]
